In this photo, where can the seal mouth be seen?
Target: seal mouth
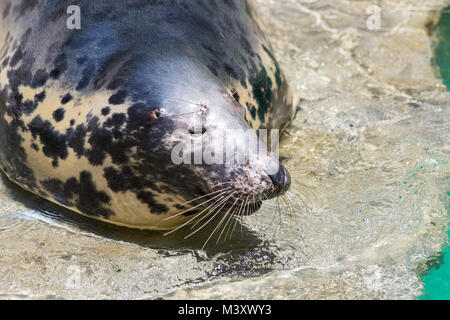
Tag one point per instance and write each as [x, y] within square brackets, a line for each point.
[242, 207]
[241, 197]
[248, 209]
[228, 200]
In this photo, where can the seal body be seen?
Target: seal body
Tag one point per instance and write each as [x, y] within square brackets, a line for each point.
[86, 115]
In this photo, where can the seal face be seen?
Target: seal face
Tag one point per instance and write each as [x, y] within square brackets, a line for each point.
[87, 116]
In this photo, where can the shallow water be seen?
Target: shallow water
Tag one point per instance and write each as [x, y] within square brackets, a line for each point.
[369, 151]
[437, 278]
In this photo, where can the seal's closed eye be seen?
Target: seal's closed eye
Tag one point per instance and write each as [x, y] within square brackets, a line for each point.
[197, 132]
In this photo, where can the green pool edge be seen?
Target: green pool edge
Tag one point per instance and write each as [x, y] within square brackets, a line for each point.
[441, 58]
[436, 280]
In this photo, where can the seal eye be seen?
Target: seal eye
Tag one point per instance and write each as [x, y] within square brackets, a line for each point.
[154, 115]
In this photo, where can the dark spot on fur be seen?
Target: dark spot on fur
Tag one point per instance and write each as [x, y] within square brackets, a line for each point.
[119, 180]
[262, 92]
[67, 97]
[18, 55]
[76, 139]
[56, 189]
[115, 84]
[117, 120]
[58, 114]
[118, 98]
[100, 141]
[213, 70]
[149, 199]
[28, 107]
[39, 79]
[252, 110]
[39, 97]
[25, 6]
[55, 145]
[105, 111]
[35, 147]
[236, 96]
[229, 70]
[5, 62]
[138, 116]
[81, 193]
[60, 66]
[90, 200]
[13, 156]
[87, 75]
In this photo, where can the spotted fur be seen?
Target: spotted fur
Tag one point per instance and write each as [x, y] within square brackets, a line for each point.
[81, 111]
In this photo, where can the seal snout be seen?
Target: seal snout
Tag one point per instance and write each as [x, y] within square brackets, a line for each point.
[280, 180]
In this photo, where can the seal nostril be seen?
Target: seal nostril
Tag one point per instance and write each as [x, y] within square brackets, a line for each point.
[281, 180]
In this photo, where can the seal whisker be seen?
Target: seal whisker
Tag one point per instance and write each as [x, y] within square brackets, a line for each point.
[248, 208]
[295, 217]
[301, 193]
[235, 224]
[238, 217]
[254, 203]
[278, 211]
[294, 211]
[190, 220]
[288, 205]
[275, 213]
[230, 216]
[217, 204]
[244, 211]
[178, 214]
[206, 195]
[234, 217]
[288, 208]
[217, 212]
[219, 224]
[260, 199]
[295, 200]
